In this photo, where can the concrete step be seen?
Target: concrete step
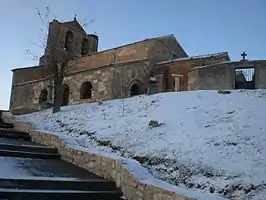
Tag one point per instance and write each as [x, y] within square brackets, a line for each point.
[57, 183]
[15, 135]
[18, 142]
[11, 130]
[6, 125]
[26, 154]
[27, 194]
[27, 148]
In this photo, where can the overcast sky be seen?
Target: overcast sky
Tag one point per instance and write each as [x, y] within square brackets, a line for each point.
[201, 26]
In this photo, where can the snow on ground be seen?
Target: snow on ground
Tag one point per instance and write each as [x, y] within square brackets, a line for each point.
[204, 140]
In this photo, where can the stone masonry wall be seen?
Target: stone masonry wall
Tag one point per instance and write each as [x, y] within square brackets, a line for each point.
[217, 77]
[100, 80]
[122, 54]
[107, 81]
[222, 76]
[128, 174]
[137, 51]
[56, 36]
[125, 75]
[25, 97]
[106, 84]
[182, 67]
[29, 74]
[161, 49]
[260, 75]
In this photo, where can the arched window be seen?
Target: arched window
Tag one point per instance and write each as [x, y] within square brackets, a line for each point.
[86, 90]
[84, 46]
[68, 40]
[43, 96]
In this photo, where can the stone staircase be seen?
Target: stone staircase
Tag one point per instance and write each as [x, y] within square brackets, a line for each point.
[32, 171]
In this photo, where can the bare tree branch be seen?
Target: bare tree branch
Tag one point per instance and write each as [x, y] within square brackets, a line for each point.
[86, 24]
[33, 57]
[44, 17]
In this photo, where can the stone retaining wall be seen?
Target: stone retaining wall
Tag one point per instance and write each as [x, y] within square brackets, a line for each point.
[134, 181]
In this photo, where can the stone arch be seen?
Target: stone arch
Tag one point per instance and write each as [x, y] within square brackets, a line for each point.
[65, 95]
[68, 40]
[86, 90]
[136, 88]
[43, 96]
[84, 46]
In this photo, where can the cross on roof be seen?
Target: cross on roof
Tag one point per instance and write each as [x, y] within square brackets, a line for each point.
[244, 56]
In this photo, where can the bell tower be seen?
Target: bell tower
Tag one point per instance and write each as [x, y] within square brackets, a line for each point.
[71, 37]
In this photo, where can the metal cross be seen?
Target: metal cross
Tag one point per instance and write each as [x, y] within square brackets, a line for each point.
[244, 55]
[75, 18]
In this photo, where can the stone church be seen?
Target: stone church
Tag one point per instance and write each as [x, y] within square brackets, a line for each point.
[152, 65]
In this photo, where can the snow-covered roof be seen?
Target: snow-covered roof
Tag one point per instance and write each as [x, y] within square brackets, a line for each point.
[233, 63]
[204, 56]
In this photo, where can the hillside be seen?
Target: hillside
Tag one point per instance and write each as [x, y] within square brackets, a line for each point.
[203, 140]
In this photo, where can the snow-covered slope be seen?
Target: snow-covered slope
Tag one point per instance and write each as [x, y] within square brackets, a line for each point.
[205, 140]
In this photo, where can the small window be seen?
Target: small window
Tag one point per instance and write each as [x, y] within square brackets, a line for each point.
[43, 96]
[68, 40]
[84, 46]
[173, 56]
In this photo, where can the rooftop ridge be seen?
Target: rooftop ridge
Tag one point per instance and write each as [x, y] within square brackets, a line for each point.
[230, 62]
[27, 67]
[194, 57]
[130, 44]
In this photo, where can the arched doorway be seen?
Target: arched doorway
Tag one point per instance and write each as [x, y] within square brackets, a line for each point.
[43, 96]
[65, 95]
[136, 88]
[86, 90]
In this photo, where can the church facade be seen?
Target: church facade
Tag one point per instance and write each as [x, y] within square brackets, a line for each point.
[149, 66]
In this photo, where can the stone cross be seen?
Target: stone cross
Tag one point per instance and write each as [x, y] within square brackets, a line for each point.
[244, 55]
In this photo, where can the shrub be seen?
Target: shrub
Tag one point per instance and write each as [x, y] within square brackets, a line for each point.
[153, 124]
[100, 103]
